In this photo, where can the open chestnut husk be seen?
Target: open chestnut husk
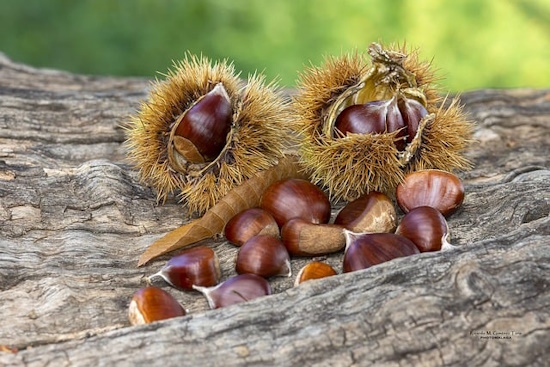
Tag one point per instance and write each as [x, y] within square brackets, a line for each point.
[296, 198]
[364, 250]
[439, 189]
[238, 289]
[196, 266]
[397, 114]
[151, 304]
[204, 130]
[314, 270]
[372, 212]
[413, 128]
[302, 238]
[201, 132]
[412, 111]
[427, 228]
[250, 223]
[265, 256]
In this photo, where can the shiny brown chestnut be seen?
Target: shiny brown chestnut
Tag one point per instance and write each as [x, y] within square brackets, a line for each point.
[364, 250]
[314, 270]
[412, 112]
[250, 223]
[205, 126]
[373, 117]
[238, 289]
[368, 118]
[441, 190]
[265, 256]
[302, 238]
[296, 198]
[427, 228]
[196, 266]
[372, 212]
[151, 304]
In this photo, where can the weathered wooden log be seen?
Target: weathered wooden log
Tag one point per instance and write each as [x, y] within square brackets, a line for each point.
[74, 219]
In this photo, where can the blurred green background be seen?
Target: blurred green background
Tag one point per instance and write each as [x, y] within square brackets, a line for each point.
[473, 43]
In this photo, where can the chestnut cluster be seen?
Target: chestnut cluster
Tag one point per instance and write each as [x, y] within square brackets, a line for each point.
[203, 130]
[294, 220]
[398, 114]
[195, 269]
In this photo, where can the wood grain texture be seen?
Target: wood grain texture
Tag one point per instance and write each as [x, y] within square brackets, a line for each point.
[74, 219]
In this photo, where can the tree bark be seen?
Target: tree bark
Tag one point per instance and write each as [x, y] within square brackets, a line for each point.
[74, 219]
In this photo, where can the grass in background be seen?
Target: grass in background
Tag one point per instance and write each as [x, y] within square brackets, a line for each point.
[474, 44]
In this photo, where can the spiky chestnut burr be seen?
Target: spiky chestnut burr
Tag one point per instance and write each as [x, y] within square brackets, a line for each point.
[246, 121]
[351, 163]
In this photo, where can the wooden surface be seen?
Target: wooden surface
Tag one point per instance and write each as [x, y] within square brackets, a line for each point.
[74, 219]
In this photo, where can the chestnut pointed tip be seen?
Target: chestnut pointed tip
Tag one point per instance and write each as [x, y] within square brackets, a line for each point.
[219, 89]
[288, 272]
[445, 244]
[200, 288]
[206, 292]
[350, 237]
[160, 274]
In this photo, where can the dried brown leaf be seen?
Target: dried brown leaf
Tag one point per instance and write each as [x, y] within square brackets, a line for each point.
[247, 195]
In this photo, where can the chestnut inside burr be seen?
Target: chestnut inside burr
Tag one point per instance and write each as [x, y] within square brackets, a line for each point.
[398, 113]
[412, 112]
[205, 126]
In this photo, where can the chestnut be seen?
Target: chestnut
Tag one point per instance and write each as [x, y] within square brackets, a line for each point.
[427, 228]
[373, 117]
[240, 288]
[263, 255]
[439, 189]
[372, 212]
[151, 304]
[249, 223]
[206, 126]
[303, 238]
[196, 266]
[364, 250]
[412, 112]
[314, 270]
[365, 118]
[296, 198]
